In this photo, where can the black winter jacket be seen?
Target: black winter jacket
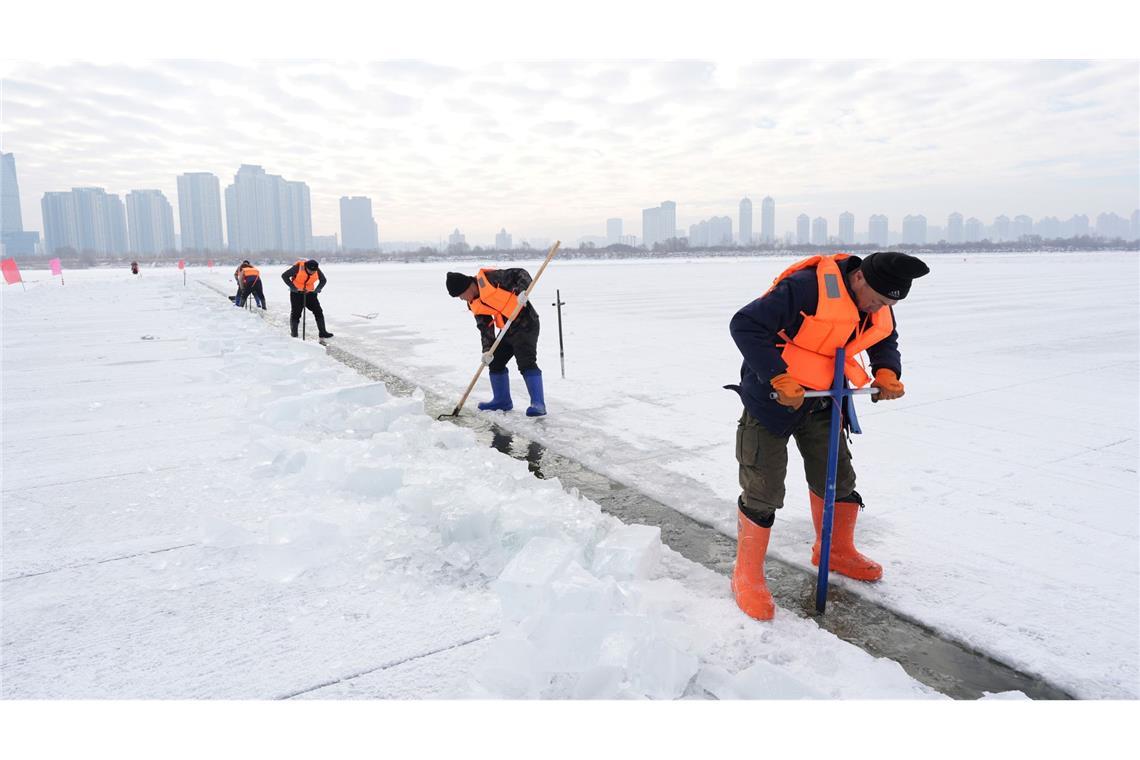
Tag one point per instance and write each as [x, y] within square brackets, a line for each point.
[755, 329]
[516, 281]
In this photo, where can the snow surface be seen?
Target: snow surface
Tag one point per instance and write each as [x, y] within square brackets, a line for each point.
[197, 506]
[1001, 491]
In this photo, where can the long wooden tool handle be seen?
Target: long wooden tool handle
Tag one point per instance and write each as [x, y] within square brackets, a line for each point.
[507, 326]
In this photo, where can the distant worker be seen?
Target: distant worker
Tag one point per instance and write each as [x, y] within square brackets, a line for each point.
[493, 295]
[305, 280]
[238, 282]
[249, 281]
[134, 267]
[788, 338]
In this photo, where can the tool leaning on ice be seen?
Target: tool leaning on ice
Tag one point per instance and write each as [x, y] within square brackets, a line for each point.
[305, 280]
[492, 296]
[789, 338]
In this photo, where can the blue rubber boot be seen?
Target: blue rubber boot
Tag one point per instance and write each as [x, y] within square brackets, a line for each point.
[501, 387]
[533, 378]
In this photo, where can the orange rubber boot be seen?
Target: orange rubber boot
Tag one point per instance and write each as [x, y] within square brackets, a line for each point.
[845, 558]
[748, 584]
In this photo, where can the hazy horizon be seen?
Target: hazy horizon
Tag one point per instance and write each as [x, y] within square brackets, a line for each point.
[554, 148]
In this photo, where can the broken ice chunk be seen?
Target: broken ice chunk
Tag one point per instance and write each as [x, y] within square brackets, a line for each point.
[527, 577]
[660, 670]
[629, 552]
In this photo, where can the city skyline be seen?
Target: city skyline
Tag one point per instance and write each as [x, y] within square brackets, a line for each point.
[546, 148]
[265, 212]
[275, 216]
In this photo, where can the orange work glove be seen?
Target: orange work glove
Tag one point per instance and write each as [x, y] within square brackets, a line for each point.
[888, 384]
[788, 391]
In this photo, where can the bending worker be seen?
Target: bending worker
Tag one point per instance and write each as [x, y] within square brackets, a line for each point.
[305, 280]
[249, 281]
[492, 295]
[788, 338]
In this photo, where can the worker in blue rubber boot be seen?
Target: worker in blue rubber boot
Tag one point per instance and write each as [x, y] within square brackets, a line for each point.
[492, 295]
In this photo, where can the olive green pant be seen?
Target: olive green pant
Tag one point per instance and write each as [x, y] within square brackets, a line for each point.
[763, 459]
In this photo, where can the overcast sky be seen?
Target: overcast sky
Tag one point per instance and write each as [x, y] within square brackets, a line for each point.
[552, 149]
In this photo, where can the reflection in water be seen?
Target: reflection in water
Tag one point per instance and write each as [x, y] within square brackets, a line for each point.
[504, 441]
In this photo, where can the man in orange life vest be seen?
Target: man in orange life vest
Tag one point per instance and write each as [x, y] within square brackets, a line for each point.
[788, 338]
[249, 281]
[305, 280]
[492, 295]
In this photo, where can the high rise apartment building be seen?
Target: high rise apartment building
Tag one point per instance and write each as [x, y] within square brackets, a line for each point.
[914, 229]
[200, 212]
[658, 224]
[819, 231]
[358, 231]
[503, 240]
[955, 233]
[745, 224]
[61, 231]
[15, 240]
[150, 222]
[767, 220]
[877, 232]
[973, 230]
[847, 228]
[265, 212]
[803, 229]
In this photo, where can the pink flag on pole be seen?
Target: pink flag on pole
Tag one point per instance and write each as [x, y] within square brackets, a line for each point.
[11, 271]
[210, 263]
[182, 263]
[56, 267]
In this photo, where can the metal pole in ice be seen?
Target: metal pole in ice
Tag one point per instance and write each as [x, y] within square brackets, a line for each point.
[561, 351]
[837, 388]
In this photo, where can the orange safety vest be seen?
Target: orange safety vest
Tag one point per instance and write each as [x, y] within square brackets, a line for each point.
[810, 355]
[493, 301]
[250, 272]
[303, 280]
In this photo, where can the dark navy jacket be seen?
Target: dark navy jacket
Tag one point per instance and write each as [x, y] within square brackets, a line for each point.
[755, 329]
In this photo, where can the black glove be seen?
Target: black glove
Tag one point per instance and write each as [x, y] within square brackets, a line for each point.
[317, 292]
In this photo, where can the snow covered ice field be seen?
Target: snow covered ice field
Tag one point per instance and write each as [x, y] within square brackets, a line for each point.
[1001, 492]
[197, 506]
[261, 522]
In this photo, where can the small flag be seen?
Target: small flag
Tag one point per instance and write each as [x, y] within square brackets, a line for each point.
[11, 271]
[56, 267]
[182, 263]
[210, 263]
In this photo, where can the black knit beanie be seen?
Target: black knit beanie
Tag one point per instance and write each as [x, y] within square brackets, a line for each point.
[457, 283]
[890, 273]
[312, 265]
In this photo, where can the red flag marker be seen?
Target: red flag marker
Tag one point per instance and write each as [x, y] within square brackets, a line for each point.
[182, 266]
[12, 272]
[57, 268]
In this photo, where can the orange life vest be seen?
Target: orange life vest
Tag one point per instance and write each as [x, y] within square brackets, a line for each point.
[250, 271]
[493, 301]
[810, 355]
[303, 280]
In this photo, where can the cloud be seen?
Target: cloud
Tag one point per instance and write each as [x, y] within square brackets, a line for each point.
[433, 142]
